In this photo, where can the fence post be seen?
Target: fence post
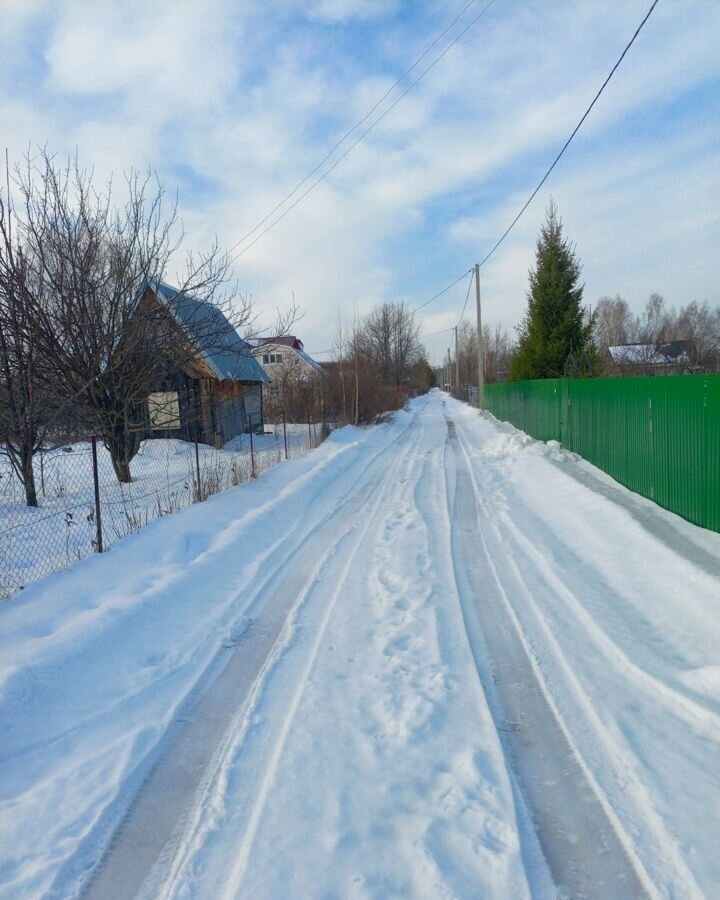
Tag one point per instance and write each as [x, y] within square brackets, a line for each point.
[197, 468]
[284, 432]
[310, 440]
[96, 481]
[252, 449]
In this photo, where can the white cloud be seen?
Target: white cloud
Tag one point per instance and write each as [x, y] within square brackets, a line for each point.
[344, 10]
[249, 97]
[176, 57]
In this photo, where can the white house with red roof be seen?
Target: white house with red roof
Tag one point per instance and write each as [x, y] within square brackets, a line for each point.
[275, 354]
[294, 373]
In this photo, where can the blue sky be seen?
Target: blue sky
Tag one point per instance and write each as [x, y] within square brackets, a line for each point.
[233, 102]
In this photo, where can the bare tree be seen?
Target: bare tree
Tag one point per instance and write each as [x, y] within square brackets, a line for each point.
[498, 347]
[655, 325]
[295, 387]
[379, 362]
[25, 407]
[648, 338]
[340, 353]
[698, 325]
[390, 338]
[614, 323]
[103, 330]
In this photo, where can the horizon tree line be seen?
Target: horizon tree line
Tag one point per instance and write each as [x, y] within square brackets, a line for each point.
[560, 335]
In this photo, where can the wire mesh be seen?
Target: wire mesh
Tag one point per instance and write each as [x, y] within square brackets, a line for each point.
[167, 474]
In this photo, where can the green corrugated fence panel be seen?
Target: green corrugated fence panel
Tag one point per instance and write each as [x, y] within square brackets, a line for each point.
[532, 406]
[712, 452]
[659, 436]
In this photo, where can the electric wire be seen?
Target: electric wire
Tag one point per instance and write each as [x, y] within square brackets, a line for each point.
[443, 291]
[532, 195]
[467, 297]
[354, 127]
[574, 132]
[435, 333]
[364, 134]
[554, 163]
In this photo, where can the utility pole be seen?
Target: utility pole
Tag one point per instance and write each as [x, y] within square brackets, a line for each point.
[457, 366]
[449, 370]
[481, 348]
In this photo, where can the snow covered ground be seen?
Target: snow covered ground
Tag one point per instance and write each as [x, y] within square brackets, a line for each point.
[37, 541]
[311, 625]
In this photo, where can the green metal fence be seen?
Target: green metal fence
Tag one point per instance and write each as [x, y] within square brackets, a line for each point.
[659, 436]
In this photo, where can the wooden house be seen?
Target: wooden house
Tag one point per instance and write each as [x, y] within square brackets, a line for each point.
[212, 391]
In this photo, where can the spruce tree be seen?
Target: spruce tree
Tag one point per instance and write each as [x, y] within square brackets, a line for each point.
[554, 331]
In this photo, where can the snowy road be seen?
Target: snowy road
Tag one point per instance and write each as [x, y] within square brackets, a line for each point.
[430, 659]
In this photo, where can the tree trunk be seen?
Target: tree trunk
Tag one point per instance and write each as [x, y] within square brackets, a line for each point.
[28, 477]
[21, 460]
[122, 446]
[344, 401]
[122, 469]
[357, 398]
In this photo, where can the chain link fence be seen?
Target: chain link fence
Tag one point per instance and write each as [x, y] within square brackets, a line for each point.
[83, 508]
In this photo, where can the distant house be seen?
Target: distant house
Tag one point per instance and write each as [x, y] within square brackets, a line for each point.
[274, 353]
[670, 358]
[215, 391]
[294, 373]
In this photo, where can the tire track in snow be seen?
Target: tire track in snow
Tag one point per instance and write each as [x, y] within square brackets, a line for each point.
[234, 880]
[680, 703]
[513, 559]
[153, 829]
[584, 851]
[696, 710]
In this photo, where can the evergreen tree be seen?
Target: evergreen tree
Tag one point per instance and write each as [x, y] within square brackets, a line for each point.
[554, 333]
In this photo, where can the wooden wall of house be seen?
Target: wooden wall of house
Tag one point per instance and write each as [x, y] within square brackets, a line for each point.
[254, 406]
[229, 410]
[211, 411]
[189, 402]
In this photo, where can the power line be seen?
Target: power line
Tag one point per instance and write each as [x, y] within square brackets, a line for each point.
[361, 137]
[435, 333]
[443, 291]
[532, 195]
[354, 127]
[552, 166]
[574, 132]
[467, 297]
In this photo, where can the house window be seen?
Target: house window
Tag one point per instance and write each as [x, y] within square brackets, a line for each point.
[272, 358]
[266, 358]
[164, 410]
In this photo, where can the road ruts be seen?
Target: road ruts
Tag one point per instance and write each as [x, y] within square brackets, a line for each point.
[583, 850]
[145, 843]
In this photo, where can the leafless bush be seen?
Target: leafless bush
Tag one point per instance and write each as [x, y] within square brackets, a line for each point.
[379, 364]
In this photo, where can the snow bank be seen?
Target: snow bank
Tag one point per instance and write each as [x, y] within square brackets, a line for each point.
[96, 660]
[621, 607]
[370, 766]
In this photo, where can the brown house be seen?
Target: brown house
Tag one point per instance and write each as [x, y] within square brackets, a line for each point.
[215, 391]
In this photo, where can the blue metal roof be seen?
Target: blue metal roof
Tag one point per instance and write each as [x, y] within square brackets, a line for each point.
[227, 355]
